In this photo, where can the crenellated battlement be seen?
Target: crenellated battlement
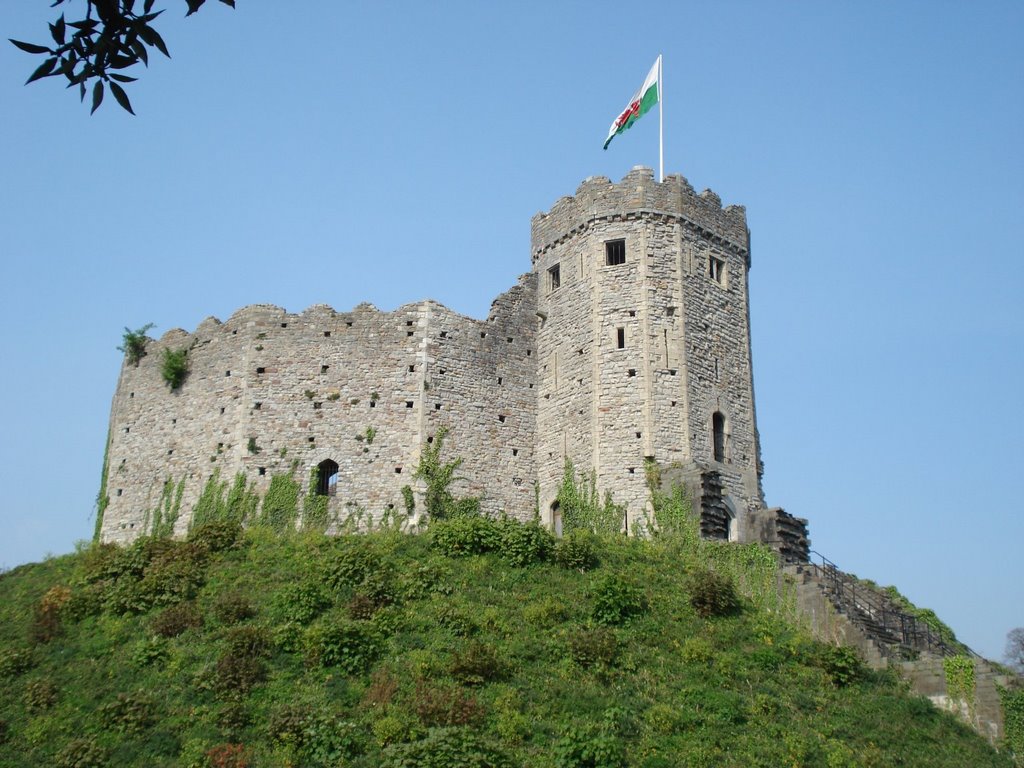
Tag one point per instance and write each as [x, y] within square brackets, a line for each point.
[637, 195]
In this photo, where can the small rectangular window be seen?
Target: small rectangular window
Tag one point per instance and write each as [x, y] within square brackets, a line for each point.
[554, 277]
[620, 337]
[615, 252]
[716, 269]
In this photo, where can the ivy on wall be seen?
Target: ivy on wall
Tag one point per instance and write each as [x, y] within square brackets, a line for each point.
[960, 681]
[102, 499]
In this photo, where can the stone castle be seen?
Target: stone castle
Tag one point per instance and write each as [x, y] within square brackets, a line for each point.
[627, 342]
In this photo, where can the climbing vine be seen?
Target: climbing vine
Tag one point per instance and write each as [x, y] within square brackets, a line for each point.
[960, 680]
[315, 516]
[1013, 722]
[239, 506]
[581, 505]
[281, 504]
[160, 521]
[438, 475]
[102, 499]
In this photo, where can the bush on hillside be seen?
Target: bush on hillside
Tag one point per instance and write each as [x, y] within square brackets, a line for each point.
[462, 536]
[616, 601]
[524, 544]
[176, 619]
[712, 593]
[576, 551]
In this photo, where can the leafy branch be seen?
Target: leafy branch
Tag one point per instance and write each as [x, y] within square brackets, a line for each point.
[112, 37]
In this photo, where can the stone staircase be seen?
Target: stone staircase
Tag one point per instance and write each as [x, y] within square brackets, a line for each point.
[843, 610]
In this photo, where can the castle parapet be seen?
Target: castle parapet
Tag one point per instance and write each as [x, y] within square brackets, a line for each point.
[638, 194]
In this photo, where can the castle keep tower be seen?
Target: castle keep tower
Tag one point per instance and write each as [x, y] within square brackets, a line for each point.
[628, 341]
[644, 343]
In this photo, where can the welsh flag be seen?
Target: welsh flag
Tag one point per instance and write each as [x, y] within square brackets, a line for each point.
[640, 104]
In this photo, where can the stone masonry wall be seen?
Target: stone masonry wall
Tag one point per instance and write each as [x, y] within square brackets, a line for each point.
[685, 343]
[606, 364]
[270, 392]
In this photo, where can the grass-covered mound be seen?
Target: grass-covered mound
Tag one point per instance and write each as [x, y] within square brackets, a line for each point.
[478, 643]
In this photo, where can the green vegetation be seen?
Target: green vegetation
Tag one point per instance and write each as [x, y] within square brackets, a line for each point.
[441, 504]
[581, 507]
[102, 497]
[482, 643]
[134, 343]
[174, 367]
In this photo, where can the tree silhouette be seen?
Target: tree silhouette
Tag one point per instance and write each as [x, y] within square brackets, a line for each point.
[113, 36]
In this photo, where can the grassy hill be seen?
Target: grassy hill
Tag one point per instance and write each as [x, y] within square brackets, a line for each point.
[478, 643]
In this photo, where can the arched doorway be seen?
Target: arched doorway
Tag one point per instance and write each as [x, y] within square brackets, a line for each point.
[327, 478]
[556, 518]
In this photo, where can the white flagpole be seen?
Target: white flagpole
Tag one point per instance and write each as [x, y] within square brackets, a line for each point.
[661, 125]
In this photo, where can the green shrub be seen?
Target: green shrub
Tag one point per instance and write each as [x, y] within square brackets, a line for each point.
[459, 621]
[242, 663]
[522, 544]
[712, 593]
[446, 748]
[150, 650]
[842, 664]
[349, 563]
[174, 366]
[233, 607]
[589, 748]
[360, 608]
[617, 601]
[302, 602]
[594, 647]
[461, 536]
[392, 729]
[5, 732]
[134, 343]
[697, 651]
[129, 713]
[14, 661]
[348, 645]
[478, 663]
[577, 551]
[217, 535]
[82, 753]
[442, 704]
[317, 738]
[47, 622]
[40, 695]
[176, 619]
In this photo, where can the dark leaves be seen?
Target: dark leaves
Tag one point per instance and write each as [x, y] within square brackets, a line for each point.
[43, 70]
[97, 96]
[30, 48]
[122, 97]
[87, 50]
[58, 30]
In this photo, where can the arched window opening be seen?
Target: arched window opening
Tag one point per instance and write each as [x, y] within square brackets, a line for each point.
[327, 478]
[556, 518]
[732, 522]
[718, 435]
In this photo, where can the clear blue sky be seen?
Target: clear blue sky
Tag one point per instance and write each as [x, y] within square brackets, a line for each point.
[297, 153]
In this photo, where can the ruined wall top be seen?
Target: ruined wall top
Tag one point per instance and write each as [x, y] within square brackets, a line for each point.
[638, 193]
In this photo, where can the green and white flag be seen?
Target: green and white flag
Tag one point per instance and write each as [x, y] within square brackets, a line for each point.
[648, 95]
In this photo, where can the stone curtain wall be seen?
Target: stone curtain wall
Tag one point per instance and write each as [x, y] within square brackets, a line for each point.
[686, 348]
[270, 392]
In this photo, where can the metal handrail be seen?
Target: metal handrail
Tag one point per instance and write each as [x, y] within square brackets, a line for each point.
[870, 606]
